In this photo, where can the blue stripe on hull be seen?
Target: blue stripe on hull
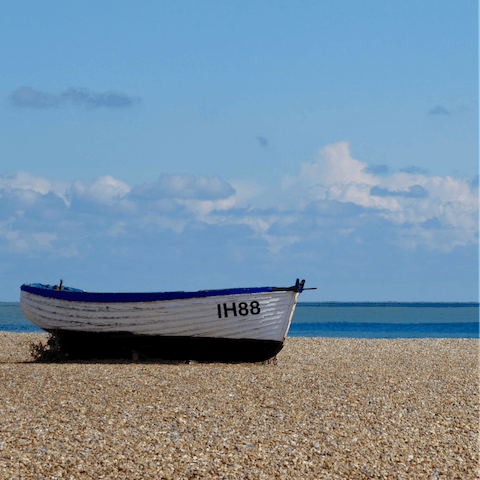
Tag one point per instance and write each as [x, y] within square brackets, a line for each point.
[78, 296]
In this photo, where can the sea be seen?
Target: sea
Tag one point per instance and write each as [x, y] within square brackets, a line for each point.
[347, 320]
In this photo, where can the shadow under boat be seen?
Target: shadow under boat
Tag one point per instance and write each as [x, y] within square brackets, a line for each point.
[73, 345]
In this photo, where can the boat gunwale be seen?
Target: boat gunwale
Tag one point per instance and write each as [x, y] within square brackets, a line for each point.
[73, 295]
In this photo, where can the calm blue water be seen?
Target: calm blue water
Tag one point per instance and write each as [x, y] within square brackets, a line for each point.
[352, 320]
[386, 320]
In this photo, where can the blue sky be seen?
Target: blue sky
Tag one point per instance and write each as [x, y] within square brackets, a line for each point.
[189, 145]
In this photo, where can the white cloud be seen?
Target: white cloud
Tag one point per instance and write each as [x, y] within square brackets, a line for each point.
[26, 242]
[333, 197]
[246, 190]
[401, 198]
[28, 183]
[185, 187]
[204, 207]
[105, 190]
[335, 165]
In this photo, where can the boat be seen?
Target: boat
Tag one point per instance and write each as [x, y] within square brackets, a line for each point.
[233, 325]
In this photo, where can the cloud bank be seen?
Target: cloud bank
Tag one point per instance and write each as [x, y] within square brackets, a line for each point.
[334, 203]
[334, 195]
[28, 97]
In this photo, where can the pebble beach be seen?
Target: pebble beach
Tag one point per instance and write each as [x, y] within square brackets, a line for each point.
[330, 408]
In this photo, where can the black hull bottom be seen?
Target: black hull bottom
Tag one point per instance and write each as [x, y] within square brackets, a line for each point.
[83, 345]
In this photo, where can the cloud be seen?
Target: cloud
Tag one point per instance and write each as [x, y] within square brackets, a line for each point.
[378, 169]
[30, 242]
[103, 190]
[262, 141]
[404, 200]
[27, 183]
[413, 169]
[105, 195]
[334, 208]
[332, 199]
[415, 191]
[28, 97]
[439, 110]
[185, 187]
[333, 168]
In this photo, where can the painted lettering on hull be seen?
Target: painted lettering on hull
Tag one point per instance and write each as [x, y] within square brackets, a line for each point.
[242, 309]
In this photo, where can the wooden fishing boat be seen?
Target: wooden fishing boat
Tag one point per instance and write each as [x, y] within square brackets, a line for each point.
[240, 324]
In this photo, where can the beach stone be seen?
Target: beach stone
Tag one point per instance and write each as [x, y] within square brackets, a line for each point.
[329, 408]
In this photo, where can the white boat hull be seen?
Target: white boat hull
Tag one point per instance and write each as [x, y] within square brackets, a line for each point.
[236, 326]
[197, 317]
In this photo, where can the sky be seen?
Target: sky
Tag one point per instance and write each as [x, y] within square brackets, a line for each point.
[157, 146]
